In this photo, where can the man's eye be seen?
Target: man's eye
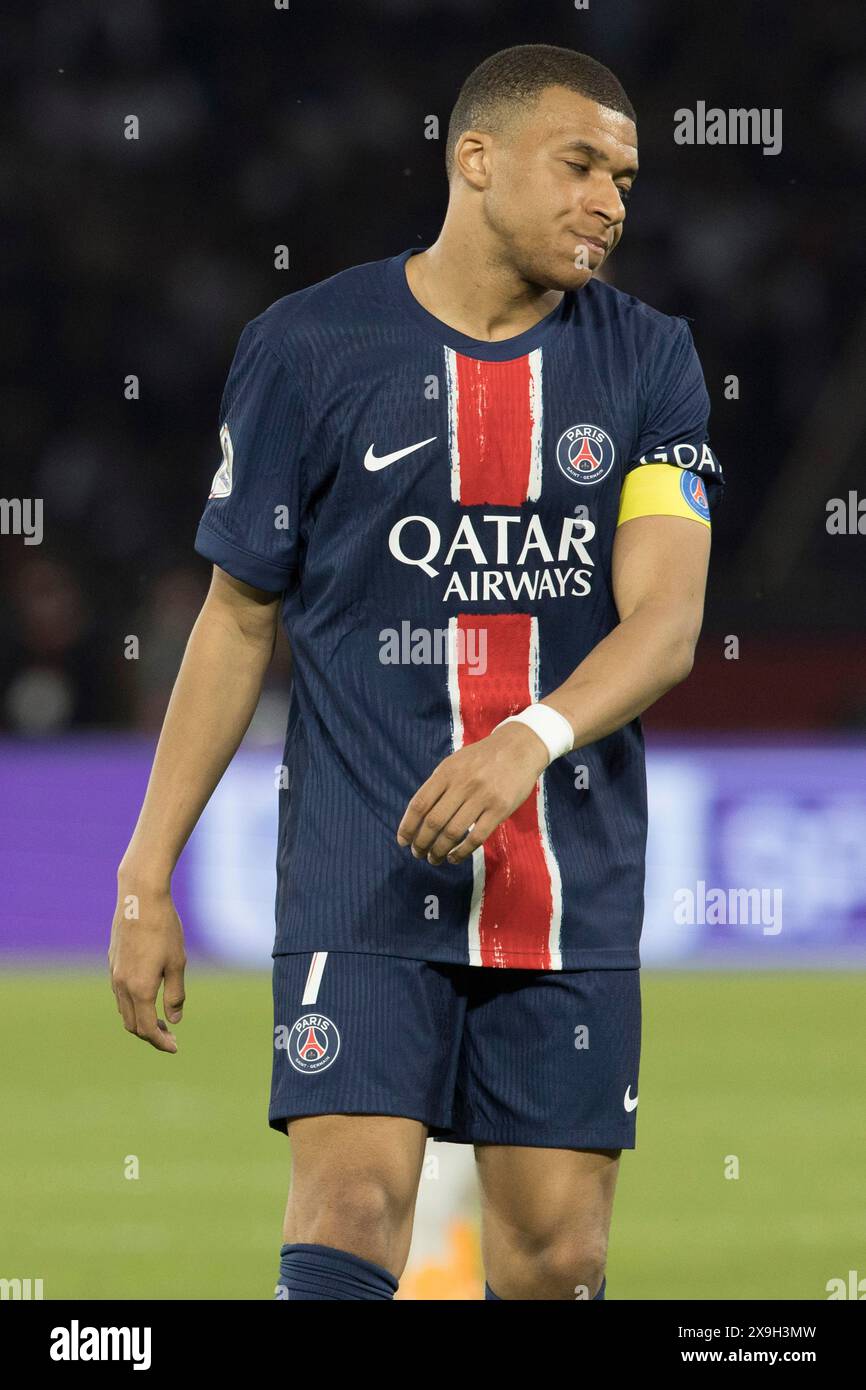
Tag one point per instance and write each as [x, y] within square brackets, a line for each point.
[582, 168]
[624, 193]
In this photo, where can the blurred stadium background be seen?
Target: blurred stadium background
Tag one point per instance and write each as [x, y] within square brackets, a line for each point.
[305, 127]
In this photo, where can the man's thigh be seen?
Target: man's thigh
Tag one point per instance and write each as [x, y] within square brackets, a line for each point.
[538, 1192]
[354, 1184]
[546, 1217]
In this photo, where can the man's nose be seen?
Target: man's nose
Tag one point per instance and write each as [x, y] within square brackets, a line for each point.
[604, 201]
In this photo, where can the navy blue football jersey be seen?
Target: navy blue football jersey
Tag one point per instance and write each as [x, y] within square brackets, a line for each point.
[438, 514]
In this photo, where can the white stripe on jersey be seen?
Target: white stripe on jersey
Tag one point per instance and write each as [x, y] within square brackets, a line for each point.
[456, 743]
[453, 447]
[550, 859]
[535, 410]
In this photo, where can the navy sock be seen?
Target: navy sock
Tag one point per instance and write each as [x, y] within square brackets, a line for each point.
[488, 1293]
[320, 1272]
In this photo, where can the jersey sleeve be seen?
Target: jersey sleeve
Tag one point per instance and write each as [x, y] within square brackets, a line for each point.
[250, 526]
[676, 410]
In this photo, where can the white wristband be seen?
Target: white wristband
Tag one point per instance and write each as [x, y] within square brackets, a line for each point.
[552, 728]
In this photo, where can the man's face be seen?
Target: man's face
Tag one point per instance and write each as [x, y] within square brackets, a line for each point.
[556, 185]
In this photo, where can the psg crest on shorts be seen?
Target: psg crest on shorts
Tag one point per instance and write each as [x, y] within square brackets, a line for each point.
[585, 454]
[314, 1043]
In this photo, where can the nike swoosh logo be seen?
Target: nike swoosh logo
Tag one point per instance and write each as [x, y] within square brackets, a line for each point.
[628, 1102]
[373, 464]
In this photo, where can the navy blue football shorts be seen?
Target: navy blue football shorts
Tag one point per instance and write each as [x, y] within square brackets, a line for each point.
[546, 1059]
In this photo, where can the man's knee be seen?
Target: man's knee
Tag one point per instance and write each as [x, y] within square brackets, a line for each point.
[556, 1263]
[359, 1212]
[574, 1266]
[363, 1201]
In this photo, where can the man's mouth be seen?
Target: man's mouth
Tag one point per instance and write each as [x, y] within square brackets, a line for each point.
[593, 241]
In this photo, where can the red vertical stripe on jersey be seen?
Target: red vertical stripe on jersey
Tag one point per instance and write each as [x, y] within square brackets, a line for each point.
[494, 430]
[517, 906]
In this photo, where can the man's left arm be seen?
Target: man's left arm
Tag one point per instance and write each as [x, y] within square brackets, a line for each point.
[659, 570]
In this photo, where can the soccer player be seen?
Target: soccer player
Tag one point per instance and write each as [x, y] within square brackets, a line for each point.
[475, 482]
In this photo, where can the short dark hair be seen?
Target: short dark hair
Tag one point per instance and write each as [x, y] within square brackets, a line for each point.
[517, 76]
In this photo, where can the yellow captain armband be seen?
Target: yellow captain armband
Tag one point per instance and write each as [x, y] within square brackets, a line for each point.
[663, 489]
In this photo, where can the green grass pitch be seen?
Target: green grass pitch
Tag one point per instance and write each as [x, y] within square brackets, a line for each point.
[769, 1069]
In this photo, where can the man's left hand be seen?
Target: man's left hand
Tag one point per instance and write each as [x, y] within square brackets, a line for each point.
[470, 793]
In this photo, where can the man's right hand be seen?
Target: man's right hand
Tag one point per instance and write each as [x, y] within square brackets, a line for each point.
[146, 949]
[213, 700]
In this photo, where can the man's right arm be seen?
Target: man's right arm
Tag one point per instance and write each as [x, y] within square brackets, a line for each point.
[211, 706]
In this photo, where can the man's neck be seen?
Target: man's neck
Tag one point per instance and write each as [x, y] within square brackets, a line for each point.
[462, 283]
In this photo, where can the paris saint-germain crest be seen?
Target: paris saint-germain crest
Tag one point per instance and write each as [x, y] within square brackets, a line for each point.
[585, 453]
[693, 490]
[314, 1043]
